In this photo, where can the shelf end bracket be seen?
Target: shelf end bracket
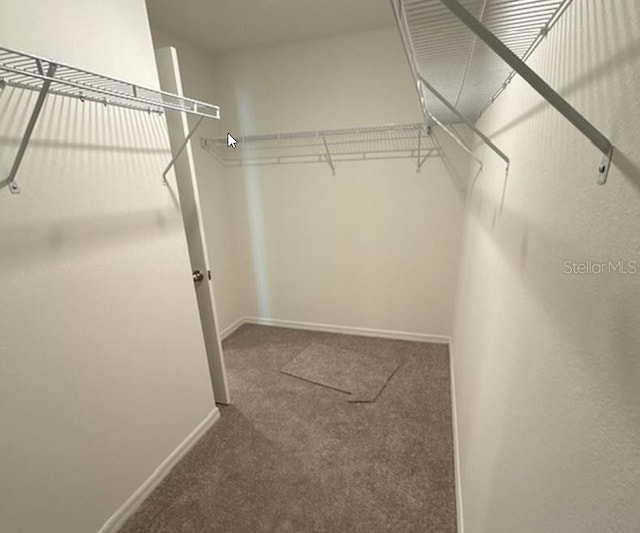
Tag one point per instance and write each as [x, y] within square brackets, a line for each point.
[603, 169]
[328, 155]
[419, 149]
[14, 188]
[179, 152]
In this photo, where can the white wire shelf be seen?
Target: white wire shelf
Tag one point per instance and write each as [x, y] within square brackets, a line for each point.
[471, 49]
[391, 141]
[461, 66]
[45, 76]
[27, 71]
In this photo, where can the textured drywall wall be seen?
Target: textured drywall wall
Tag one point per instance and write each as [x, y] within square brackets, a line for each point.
[377, 245]
[546, 359]
[103, 370]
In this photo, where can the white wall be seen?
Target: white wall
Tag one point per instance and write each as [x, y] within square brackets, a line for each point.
[547, 367]
[377, 245]
[102, 365]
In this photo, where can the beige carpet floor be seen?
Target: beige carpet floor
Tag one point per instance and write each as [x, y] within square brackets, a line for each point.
[292, 456]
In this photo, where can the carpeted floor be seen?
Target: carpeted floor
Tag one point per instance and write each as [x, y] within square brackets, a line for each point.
[293, 456]
[361, 375]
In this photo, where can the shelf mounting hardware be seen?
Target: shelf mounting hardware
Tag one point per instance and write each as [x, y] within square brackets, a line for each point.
[429, 151]
[179, 152]
[419, 146]
[35, 114]
[455, 137]
[421, 160]
[538, 84]
[464, 119]
[329, 160]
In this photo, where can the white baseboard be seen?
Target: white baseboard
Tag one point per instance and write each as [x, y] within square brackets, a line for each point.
[347, 330]
[230, 329]
[456, 443]
[117, 520]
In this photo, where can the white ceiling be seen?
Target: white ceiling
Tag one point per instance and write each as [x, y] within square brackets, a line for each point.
[445, 52]
[224, 25]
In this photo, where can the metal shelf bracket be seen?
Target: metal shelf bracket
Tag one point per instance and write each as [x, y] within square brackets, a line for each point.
[419, 163]
[464, 119]
[175, 157]
[603, 169]
[538, 84]
[422, 157]
[456, 138]
[329, 160]
[33, 120]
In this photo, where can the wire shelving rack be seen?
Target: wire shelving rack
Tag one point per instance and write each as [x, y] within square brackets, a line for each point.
[391, 141]
[46, 76]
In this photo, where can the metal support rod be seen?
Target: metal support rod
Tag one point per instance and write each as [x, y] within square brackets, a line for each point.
[419, 143]
[427, 156]
[184, 145]
[455, 111]
[543, 33]
[451, 134]
[400, 19]
[329, 160]
[204, 144]
[542, 87]
[13, 186]
[457, 139]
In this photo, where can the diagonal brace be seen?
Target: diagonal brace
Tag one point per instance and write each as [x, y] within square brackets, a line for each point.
[205, 145]
[537, 83]
[419, 147]
[329, 159]
[11, 179]
[462, 117]
[456, 138]
[422, 158]
[179, 152]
